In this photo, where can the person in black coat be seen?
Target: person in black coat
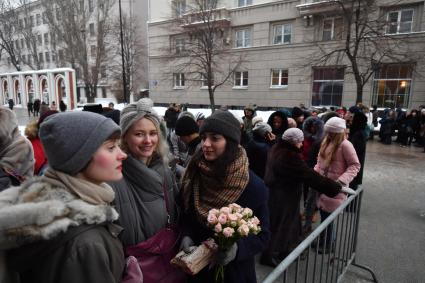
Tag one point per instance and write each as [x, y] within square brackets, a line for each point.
[217, 176]
[285, 175]
[259, 147]
[279, 123]
[358, 138]
[36, 107]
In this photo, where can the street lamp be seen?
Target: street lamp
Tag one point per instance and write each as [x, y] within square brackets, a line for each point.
[124, 78]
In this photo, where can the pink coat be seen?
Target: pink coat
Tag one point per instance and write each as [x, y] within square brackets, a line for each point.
[344, 167]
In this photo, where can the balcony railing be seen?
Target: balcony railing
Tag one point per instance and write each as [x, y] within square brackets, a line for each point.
[194, 19]
[319, 7]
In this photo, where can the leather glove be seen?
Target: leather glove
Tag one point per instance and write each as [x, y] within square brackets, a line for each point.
[187, 245]
[225, 257]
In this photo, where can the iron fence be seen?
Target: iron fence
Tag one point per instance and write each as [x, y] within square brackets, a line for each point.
[327, 253]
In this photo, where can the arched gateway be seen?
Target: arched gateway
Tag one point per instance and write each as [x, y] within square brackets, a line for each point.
[46, 85]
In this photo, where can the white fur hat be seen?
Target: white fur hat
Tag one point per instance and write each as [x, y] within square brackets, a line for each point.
[256, 119]
[335, 125]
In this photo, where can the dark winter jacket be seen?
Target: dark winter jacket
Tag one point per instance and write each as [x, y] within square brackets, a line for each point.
[93, 248]
[52, 240]
[278, 132]
[140, 200]
[242, 268]
[257, 151]
[285, 175]
[312, 139]
[358, 138]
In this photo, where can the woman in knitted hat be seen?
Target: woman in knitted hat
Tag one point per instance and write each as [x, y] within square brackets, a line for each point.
[217, 176]
[145, 197]
[285, 175]
[16, 153]
[337, 160]
[59, 227]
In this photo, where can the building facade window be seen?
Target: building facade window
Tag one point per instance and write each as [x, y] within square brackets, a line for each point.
[241, 79]
[243, 3]
[179, 7]
[204, 81]
[40, 57]
[400, 21]
[46, 39]
[91, 29]
[53, 57]
[328, 86]
[44, 17]
[38, 19]
[243, 38]
[22, 43]
[282, 33]
[332, 29]
[179, 46]
[179, 81]
[61, 55]
[39, 40]
[93, 50]
[279, 78]
[91, 6]
[32, 23]
[392, 85]
[47, 57]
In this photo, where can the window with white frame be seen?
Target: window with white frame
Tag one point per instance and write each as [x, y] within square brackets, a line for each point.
[243, 3]
[332, 28]
[179, 45]
[204, 81]
[179, 80]
[241, 79]
[279, 78]
[282, 33]
[328, 86]
[243, 38]
[179, 7]
[400, 21]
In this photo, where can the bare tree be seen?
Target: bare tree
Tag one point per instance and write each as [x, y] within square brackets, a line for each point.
[203, 51]
[365, 42]
[9, 33]
[76, 25]
[134, 50]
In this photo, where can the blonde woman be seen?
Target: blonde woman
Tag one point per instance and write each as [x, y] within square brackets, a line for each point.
[338, 161]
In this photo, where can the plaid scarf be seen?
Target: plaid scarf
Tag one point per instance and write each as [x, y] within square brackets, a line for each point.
[207, 192]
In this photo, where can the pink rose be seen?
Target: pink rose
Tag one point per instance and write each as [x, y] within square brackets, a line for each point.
[243, 230]
[228, 232]
[232, 217]
[218, 228]
[247, 212]
[212, 219]
[214, 211]
[255, 220]
[235, 207]
[222, 219]
[225, 210]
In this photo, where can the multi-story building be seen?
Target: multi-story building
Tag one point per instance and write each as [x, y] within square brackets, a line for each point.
[280, 42]
[36, 47]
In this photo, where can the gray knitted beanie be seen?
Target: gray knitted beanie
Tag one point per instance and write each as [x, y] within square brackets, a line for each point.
[223, 123]
[136, 111]
[262, 128]
[71, 138]
[293, 135]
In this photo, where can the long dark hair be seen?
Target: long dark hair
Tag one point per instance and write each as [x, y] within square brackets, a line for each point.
[220, 165]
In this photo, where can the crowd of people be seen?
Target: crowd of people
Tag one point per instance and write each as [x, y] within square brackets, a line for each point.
[86, 188]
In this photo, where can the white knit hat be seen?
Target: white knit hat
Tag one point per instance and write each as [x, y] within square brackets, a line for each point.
[256, 119]
[335, 125]
[293, 135]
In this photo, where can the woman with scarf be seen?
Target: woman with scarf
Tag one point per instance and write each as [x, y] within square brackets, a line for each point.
[217, 176]
[58, 228]
[145, 197]
[16, 152]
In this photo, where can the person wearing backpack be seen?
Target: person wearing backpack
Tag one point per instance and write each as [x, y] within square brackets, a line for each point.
[59, 228]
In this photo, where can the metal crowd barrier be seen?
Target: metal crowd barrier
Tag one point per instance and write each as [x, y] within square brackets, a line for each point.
[311, 262]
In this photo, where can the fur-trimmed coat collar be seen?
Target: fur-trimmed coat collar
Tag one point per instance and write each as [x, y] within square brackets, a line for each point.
[39, 211]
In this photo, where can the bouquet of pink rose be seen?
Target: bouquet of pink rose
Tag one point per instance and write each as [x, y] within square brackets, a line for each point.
[230, 223]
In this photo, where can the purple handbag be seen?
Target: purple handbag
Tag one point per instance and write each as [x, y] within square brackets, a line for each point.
[154, 254]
